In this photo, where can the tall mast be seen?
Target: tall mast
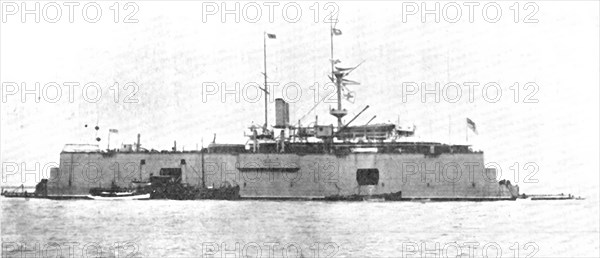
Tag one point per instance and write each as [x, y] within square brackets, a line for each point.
[265, 89]
[337, 82]
[331, 35]
[337, 79]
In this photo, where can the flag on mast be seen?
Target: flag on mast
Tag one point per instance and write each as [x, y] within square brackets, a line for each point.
[336, 32]
[350, 96]
[471, 125]
[271, 36]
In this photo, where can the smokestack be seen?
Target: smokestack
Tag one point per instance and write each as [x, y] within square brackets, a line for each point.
[282, 116]
[137, 146]
[174, 145]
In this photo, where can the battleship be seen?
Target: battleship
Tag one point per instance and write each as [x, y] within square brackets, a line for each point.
[295, 161]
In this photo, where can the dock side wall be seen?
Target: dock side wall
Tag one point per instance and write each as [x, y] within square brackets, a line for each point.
[288, 175]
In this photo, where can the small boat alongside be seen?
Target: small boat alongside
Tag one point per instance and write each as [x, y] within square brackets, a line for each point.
[549, 197]
[373, 199]
[120, 196]
[117, 193]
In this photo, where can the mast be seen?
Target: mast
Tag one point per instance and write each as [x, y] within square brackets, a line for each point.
[337, 82]
[331, 35]
[265, 73]
[202, 157]
[337, 79]
[265, 36]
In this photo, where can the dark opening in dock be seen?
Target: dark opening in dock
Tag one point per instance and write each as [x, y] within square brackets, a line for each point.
[368, 176]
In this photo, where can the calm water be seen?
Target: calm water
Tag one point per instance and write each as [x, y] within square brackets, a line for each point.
[298, 229]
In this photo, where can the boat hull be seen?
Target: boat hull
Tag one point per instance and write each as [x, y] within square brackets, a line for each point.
[123, 197]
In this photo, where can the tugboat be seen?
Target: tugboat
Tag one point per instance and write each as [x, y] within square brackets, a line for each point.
[168, 185]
